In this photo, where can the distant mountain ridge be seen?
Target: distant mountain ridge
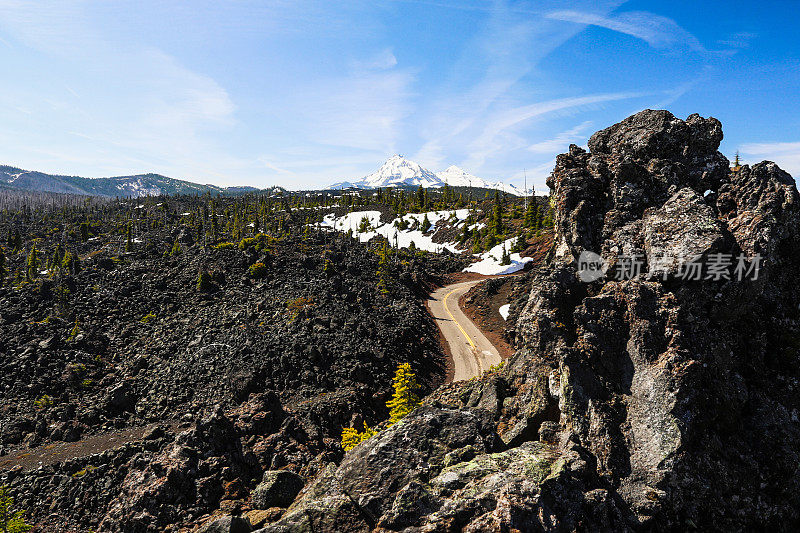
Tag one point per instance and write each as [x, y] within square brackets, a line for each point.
[398, 171]
[126, 186]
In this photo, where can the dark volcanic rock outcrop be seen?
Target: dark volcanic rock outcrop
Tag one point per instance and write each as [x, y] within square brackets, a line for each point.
[650, 402]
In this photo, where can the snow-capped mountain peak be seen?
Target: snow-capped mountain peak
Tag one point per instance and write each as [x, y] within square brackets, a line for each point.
[398, 171]
[458, 177]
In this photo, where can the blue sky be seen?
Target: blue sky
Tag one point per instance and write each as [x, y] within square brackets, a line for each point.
[303, 94]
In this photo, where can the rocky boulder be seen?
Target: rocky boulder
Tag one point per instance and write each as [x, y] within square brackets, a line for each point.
[386, 475]
[666, 382]
[278, 488]
[634, 165]
[683, 229]
[228, 524]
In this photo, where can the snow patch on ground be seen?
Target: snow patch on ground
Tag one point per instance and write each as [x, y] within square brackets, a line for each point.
[403, 238]
[488, 263]
[504, 311]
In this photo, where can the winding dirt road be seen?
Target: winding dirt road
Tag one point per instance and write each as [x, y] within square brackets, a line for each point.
[471, 351]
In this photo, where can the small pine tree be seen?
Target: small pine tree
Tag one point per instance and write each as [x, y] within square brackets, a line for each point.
[84, 229]
[128, 239]
[426, 224]
[489, 241]
[736, 164]
[3, 270]
[204, 283]
[364, 226]
[520, 244]
[17, 241]
[405, 399]
[547, 219]
[465, 234]
[70, 263]
[58, 257]
[214, 222]
[505, 259]
[306, 235]
[497, 214]
[76, 330]
[176, 249]
[33, 264]
[476, 244]
[351, 437]
[257, 270]
[12, 520]
[531, 214]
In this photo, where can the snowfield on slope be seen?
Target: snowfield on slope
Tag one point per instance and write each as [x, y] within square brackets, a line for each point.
[487, 264]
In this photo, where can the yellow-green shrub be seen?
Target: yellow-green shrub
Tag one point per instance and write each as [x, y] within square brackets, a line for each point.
[405, 399]
[351, 437]
[257, 270]
[44, 402]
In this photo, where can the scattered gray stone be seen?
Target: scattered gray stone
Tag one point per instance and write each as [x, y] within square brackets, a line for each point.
[228, 524]
[278, 488]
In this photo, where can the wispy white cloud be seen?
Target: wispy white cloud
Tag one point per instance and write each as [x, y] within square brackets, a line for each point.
[122, 102]
[562, 140]
[362, 109]
[264, 161]
[658, 31]
[52, 26]
[181, 99]
[382, 60]
[738, 40]
[498, 132]
[785, 154]
[465, 123]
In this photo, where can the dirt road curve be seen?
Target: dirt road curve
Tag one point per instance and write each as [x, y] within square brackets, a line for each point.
[471, 351]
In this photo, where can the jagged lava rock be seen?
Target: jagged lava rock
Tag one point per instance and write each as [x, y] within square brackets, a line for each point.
[278, 488]
[228, 524]
[652, 403]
